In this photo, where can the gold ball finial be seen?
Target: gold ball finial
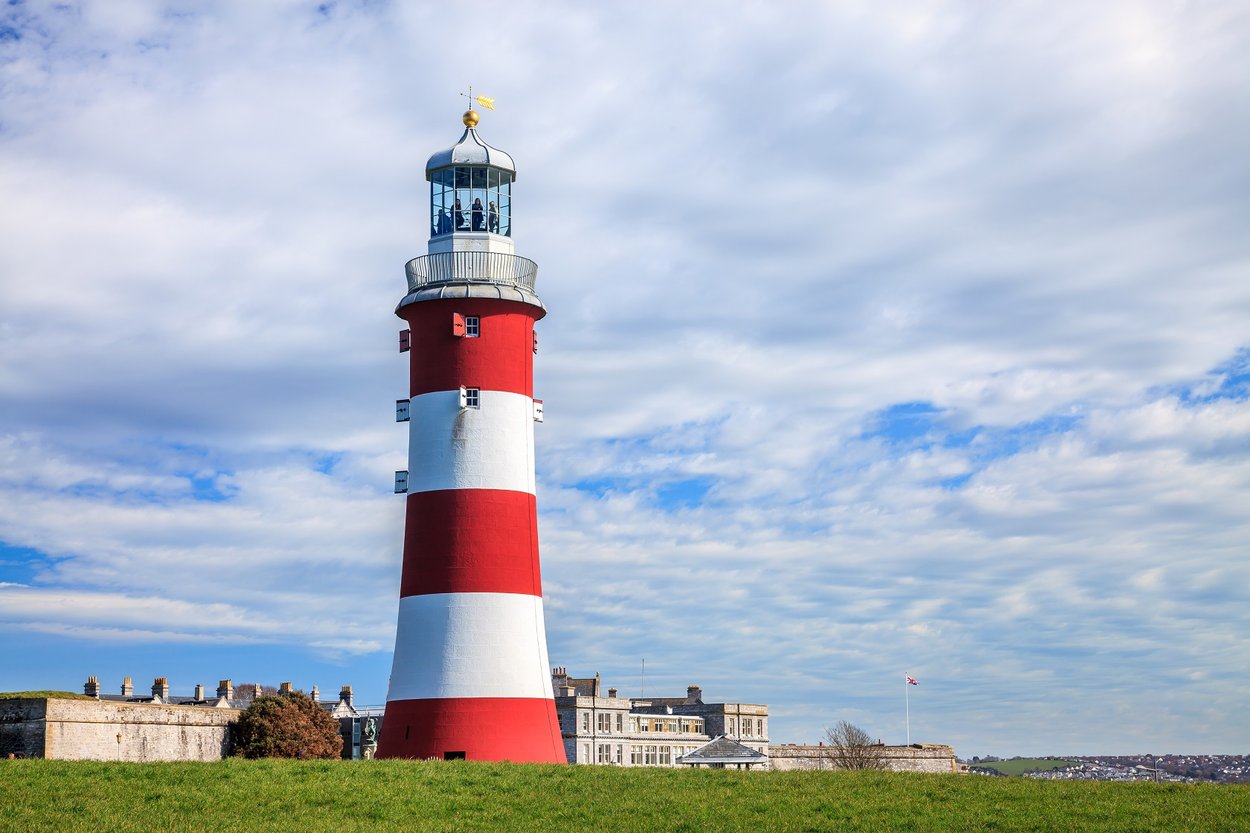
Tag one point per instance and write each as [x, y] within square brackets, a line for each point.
[470, 118]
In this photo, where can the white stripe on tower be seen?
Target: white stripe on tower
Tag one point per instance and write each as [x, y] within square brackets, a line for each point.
[489, 447]
[471, 645]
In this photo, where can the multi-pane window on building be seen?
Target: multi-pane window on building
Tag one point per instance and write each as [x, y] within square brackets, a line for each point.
[620, 754]
[586, 752]
[604, 754]
[649, 754]
[585, 721]
[470, 198]
[635, 755]
[633, 724]
[746, 727]
[759, 727]
[604, 722]
[620, 721]
[666, 756]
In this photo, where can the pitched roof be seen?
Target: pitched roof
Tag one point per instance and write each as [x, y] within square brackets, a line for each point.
[722, 750]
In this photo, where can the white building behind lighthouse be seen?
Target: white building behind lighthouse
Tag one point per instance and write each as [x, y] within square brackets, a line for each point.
[470, 677]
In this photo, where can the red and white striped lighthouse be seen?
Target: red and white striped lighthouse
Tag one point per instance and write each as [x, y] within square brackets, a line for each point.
[470, 677]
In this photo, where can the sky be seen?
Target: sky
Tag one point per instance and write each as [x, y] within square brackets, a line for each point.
[883, 339]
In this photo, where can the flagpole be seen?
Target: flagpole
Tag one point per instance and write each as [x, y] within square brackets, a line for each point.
[907, 707]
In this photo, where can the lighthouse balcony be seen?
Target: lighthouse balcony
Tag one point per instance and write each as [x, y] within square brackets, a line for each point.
[472, 267]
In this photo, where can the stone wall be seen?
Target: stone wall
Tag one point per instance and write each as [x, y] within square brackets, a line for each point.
[22, 728]
[106, 731]
[920, 757]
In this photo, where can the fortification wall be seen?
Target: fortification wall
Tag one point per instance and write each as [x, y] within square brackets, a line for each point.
[22, 728]
[927, 757]
[74, 730]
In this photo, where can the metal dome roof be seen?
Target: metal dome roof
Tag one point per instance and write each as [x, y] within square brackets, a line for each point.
[471, 150]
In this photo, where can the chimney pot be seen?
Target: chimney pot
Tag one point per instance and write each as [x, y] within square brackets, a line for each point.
[160, 688]
[225, 689]
[345, 694]
[128, 687]
[92, 688]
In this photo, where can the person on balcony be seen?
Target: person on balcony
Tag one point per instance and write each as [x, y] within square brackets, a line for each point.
[478, 216]
[492, 218]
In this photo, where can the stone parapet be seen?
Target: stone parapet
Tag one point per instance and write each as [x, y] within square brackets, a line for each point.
[104, 731]
[919, 757]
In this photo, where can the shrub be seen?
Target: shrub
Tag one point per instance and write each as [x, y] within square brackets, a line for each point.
[286, 726]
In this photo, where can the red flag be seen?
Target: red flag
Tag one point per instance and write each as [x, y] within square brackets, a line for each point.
[911, 680]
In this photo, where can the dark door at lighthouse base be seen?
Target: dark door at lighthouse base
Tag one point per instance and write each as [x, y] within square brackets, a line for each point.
[453, 756]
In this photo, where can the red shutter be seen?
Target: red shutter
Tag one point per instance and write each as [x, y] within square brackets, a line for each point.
[405, 341]
[457, 324]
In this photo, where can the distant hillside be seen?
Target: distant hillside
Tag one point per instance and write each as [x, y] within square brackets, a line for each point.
[1019, 766]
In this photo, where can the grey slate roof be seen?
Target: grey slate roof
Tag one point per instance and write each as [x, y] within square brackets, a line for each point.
[722, 750]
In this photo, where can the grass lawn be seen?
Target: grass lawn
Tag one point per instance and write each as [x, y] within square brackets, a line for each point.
[410, 796]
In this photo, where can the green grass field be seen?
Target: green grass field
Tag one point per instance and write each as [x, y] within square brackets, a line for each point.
[1019, 766]
[408, 796]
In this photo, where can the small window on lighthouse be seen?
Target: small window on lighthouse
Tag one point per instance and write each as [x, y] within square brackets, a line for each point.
[401, 482]
[470, 397]
[401, 410]
[472, 326]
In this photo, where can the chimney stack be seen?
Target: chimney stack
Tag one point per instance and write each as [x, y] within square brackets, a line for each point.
[92, 688]
[694, 694]
[285, 688]
[345, 695]
[315, 694]
[128, 687]
[225, 690]
[199, 692]
[257, 690]
[160, 689]
[611, 692]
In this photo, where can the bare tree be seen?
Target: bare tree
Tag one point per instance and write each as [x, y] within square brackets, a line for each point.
[850, 747]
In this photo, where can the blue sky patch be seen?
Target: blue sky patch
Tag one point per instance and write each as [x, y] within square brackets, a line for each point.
[1230, 380]
[683, 494]
[906, 424]
[20, 565]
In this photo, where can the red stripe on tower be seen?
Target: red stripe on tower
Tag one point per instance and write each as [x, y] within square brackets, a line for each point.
[470, 677]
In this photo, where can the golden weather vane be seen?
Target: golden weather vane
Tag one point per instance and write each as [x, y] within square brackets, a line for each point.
[484, 100]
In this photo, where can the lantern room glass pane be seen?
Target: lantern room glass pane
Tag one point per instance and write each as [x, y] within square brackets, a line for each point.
[470, 198]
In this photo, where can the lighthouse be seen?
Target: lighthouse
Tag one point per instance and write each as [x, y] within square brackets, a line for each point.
[470, 677]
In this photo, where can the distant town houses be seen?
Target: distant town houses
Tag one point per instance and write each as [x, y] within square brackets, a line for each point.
[1220, 769]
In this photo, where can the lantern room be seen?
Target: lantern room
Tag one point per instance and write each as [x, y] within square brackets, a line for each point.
[470, 191]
